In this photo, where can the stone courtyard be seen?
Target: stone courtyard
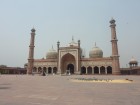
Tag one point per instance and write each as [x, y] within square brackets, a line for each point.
[59, 90]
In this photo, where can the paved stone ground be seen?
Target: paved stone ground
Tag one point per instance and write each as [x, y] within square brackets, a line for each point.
[59, 90]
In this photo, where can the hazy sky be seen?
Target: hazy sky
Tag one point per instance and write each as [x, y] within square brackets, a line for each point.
[87, 20]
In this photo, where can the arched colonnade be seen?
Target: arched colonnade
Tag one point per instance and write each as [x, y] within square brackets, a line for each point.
[47, 70]
[96, 70]
[84, 70]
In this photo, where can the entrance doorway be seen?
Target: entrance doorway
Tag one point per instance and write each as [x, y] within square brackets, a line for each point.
[83, 70]
[68, 64]
[70, 68]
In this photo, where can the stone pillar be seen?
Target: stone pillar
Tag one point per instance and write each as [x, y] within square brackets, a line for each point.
[31, 53]
[115, 55]
[105, 70]
[47, 70]
[86, 71]
[99, 70]
[92, 70]
[79, 57]
[52, 71]
[36, 70]
[58, 66]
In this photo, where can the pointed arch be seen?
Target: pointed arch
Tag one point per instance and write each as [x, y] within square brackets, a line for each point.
[44, 69]
[89, 70]
[70, 68]
[109, 70]
[83, 70]
[49, 70]
[39, 69]
[55, 70]
[34, 69]
[102, 70]
[66, 60]
[96, 70]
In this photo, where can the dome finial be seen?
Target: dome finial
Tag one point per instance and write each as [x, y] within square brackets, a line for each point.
[72, 38]
[112, 18]
[52, 54]
[133, 61]
[73, 43]
[33, 29]
[112, 21]
[52, 47]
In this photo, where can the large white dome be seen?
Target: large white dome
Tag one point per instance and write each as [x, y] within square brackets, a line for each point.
[133, 61]
[52, 54]
[96, 52]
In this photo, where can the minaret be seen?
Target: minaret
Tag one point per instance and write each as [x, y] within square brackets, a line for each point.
[79, 57]
[31, 52]
[115, 55]
[58, 64]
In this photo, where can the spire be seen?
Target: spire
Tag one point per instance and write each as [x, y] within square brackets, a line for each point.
[58, 44]
[52, 47]
[73, 43]
[83, 53]
[33, 29]
[72, 39]
[95, 44]
[112, 21]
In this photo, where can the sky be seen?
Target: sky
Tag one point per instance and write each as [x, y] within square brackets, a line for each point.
[59, 20]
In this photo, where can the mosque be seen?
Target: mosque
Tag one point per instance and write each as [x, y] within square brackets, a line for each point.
[70, 59]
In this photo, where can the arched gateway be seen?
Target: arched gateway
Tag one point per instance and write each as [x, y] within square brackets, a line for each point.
[68, 64]
[70, 68]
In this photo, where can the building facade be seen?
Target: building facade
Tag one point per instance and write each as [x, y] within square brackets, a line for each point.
[70, 59]
[12, 70]
[133, 68]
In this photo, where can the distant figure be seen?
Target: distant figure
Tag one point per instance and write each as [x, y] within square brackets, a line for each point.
[69, 73]
[43, 74]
